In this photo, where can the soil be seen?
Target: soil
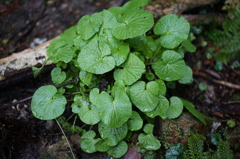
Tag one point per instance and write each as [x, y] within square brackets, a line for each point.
[27, 23]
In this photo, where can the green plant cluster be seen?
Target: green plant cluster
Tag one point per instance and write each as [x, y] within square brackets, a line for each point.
[195, 149]
[112, 67]
[226, 39]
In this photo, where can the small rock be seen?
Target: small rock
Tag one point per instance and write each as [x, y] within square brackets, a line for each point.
[178, 130]
[132, 153]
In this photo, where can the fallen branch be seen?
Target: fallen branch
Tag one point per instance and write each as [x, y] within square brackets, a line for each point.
[224, 83]
[19, 62]
[227, 84]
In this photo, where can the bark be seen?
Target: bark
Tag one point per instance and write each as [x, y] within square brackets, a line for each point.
[22, 61]
[162, 7]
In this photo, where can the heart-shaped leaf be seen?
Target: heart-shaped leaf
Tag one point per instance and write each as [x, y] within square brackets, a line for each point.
[58, 76]
[119, 150]
[144, 96]
[87, 142]
[89, 114]
[148, 141]
[133, 23]
[47, 104]
[175, 108]
[133, 68]
[114, 111]
[112, 135]
[135, 122]
[95, 58]
[60, 50]
[173, 29]
[89, 25]
[172, 67]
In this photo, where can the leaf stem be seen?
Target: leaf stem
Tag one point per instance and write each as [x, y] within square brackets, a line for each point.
[70, 117]
[156, 52]
[66, 138]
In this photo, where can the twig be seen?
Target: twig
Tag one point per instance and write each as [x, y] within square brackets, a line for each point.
[224, 83]
[15, 103]
[231, 102]
[228, 84]
[66, 138]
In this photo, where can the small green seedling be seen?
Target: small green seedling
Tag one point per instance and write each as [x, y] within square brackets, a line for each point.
[118, 62]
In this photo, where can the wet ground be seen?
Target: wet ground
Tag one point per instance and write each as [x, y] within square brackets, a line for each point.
[26, 23]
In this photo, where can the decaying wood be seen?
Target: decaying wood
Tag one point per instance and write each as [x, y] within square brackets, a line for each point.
[22, 61]
[162, 7]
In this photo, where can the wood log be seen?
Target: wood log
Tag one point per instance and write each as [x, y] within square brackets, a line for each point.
[162, 7]
[19, 62]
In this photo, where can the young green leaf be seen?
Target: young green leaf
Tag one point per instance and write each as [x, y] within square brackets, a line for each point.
[89, 114]
[132, 70]
[89, 25]
[173, 29]
[135, 122]
[114, 111]
[80, 100]
[95, 58]
[37, 71]
[120, 53]
[144, 96]
[175, 108]
[119, 150]
[112, 135]
[58, 76]
[46, 104]
[85, 77]
[133, 23]
[60, 50]
[188, 46]
[87, 142]
[188, 76]
[148, 141]
[172, 67]
[75, 108]
[148, 128]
